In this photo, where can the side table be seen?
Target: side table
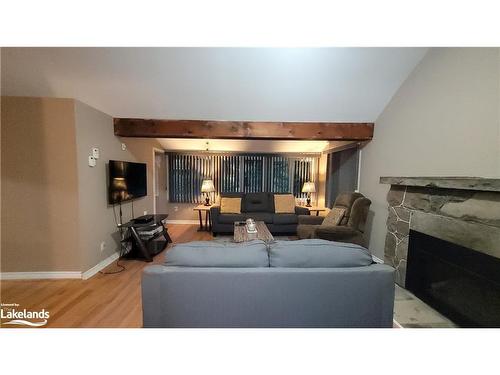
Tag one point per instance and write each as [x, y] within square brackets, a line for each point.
[208, 220]
[315, 209]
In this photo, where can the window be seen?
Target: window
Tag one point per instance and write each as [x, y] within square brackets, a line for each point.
[302, 172]
[237, 173]
[229, 176]
[279, 172]
[253, 174]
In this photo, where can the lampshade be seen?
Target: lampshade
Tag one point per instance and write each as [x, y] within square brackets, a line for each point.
[309, 187]
[207, 186]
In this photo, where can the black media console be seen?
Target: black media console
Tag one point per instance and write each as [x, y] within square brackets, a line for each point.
[146, 248]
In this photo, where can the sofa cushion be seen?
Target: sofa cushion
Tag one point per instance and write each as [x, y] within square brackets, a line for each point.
[231, 218]
[218, 254]
[314, 253]
[281, 219]
[257, 202]
[230, 205]
[284, 203]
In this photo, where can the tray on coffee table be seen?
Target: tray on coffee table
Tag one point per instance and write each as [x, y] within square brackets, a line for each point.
[241, 234]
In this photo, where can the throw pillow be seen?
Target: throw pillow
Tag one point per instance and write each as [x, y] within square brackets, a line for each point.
[284, 204]
[334, 217]
[230, 205]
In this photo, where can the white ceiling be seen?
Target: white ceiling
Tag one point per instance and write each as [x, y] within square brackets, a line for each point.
[274, 84]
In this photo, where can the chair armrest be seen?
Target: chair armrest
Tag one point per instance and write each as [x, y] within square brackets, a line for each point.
[301, 210]
[340, 233]
[310, 220]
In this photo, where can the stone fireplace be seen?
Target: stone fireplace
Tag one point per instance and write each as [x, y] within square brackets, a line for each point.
[461, 210]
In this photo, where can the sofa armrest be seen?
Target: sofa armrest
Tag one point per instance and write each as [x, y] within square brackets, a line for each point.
[340, 233]
[301, 210]
[152, 296]
[214, 212]
[310, 220]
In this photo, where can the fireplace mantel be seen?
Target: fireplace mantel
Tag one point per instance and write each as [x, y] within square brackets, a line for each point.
[461, 183]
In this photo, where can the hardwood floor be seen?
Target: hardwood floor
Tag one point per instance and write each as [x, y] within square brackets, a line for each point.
[101, 301]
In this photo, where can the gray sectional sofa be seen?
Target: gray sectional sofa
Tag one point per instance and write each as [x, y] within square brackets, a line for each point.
[305, 283]
[260, 207]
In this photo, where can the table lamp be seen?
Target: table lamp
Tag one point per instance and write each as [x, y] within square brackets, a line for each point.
[309, 188]
[207, 187]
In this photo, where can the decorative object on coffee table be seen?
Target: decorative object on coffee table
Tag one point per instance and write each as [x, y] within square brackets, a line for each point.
[309, 188]
[250, 224]
[207, 187]
[241, 234]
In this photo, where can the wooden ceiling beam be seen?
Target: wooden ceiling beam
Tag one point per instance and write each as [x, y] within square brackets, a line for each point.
[331, 131]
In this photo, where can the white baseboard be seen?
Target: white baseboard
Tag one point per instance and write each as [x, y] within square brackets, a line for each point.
[183, 222]
[377, 260]
[394, 322]
[99, 266]
[59, 275]
[39, 275]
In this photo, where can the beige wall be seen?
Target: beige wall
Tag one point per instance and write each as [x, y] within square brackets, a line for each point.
[39, 185]
[443, 121]
[54, 206]
[96, 217]
[182, 211]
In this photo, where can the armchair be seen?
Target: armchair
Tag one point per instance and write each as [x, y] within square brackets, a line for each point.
[350, 229]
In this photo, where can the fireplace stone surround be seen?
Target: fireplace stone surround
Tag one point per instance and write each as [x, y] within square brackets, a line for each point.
[461, 210]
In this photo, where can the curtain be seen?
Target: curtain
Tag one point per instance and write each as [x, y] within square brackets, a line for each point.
[237, 173]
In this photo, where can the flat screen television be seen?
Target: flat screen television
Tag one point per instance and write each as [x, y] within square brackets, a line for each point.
[127, 181]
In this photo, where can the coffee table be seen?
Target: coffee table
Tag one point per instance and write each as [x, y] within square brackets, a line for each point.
[241, 234]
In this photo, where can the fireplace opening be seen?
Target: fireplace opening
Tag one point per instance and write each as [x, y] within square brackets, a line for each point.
[460, 283]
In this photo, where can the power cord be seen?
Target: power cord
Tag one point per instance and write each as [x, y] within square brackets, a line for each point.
[122, 248]
[122, 268]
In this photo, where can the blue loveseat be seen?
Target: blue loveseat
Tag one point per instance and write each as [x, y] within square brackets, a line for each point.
[305, 283]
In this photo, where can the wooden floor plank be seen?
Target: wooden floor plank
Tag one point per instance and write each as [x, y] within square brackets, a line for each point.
[101, 301]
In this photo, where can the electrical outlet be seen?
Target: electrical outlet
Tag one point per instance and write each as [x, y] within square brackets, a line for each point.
[176, 208]
[145, 212]
[124, 146]
[103, 246]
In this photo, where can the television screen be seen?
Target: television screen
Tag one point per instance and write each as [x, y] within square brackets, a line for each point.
[126, 181]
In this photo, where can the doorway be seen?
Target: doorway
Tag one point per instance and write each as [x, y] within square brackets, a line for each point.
[159, 181]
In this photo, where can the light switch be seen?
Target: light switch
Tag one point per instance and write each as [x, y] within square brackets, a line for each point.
[95, 153]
